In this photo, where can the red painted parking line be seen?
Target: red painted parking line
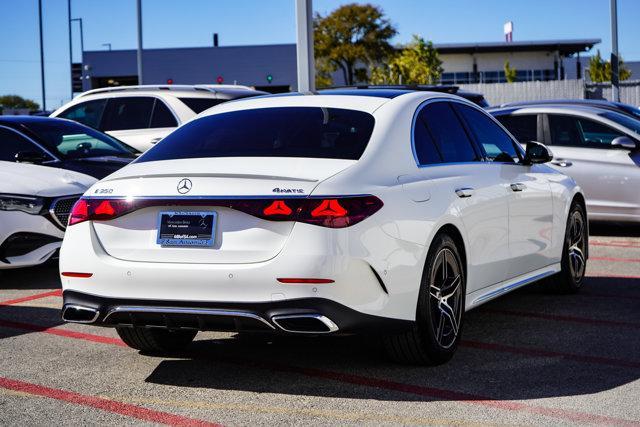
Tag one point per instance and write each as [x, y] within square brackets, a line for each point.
[61, 332]
[56, 293]
[563, 318]
[534, 352]
[605, 275]
[610, 259]
[430, 392]
[121, 408]
[615, 244]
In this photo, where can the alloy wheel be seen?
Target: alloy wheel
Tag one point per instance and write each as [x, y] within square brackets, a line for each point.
[445, 298]
[577, 261]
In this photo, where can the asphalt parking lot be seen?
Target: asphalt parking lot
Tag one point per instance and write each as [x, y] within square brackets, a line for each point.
[527, 358]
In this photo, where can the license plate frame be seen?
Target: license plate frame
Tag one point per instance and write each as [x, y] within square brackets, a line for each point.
[186, 229]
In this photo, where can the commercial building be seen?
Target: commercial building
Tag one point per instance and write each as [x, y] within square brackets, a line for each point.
[273, 67]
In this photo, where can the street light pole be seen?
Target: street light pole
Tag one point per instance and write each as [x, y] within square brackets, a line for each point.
[304, 46]
[139, 10]
[615, 78]
[41, 56]
[70, 46]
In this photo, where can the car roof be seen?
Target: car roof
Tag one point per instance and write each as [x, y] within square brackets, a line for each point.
[28, 119]
[190, 89]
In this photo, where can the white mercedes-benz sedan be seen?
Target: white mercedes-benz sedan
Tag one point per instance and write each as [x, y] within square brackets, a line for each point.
[390, 212]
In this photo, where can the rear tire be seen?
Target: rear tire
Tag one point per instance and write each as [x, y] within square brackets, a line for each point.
[434, 338]
[155, 340]
[574, 254]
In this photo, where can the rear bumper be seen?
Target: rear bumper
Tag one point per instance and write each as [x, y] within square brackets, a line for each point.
[297, 316]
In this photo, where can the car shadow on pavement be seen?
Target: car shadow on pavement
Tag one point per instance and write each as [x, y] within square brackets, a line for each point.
[614, 229]
[16, 320]
[41, 277]
[507, 354]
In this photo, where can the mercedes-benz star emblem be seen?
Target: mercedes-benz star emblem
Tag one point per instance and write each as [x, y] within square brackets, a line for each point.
[184, 186]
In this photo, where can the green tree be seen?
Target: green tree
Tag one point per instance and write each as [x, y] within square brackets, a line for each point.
[351, 38]
[417, 63]
[509, 72]
[600, 70]
[15, 101]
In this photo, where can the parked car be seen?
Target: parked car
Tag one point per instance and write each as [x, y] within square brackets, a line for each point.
[143, 115]
[620, 107]
[597, 147]
[62, 144]
[476, 98]
[35, 202]
[387, 212]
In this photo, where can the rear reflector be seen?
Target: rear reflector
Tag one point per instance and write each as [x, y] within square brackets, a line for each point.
[336, 212]
[76, 274]
[303, 280]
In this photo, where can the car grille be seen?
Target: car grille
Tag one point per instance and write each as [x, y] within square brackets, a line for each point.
[61, 208]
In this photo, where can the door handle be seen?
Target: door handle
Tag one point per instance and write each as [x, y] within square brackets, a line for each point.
[155, 140]
[465, 192]
[517, 186]
[562, 163]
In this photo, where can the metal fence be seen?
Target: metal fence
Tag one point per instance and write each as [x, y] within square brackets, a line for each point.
[500, 93]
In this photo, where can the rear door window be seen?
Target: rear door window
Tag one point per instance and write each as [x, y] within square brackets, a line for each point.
[523, 126]
[88, 113]
[198, 105]
[573, 131]
[315, 132]
[449, 135]
[124, 113]
[162, 117]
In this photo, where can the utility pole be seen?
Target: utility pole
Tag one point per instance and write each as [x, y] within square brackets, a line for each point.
[41, 55]
[70, 46]
[615, 78]
[139, 10]
[304, 46]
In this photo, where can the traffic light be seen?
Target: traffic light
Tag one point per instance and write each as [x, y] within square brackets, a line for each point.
[219, 80]
[169, 81]
[269, 78]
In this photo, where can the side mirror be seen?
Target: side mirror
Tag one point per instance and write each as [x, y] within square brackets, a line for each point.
[30, 157]
[624, 142]
[537, 152]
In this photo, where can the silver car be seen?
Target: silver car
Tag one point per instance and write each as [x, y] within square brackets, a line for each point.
[598, 148]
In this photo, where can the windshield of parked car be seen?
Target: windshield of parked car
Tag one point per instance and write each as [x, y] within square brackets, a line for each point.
[326, 133]
[68, 140]
[626, 121]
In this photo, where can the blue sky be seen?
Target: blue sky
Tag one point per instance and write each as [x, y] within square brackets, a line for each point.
[179, 23]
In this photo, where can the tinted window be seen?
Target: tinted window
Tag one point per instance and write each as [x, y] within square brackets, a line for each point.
[579, 132]
[162, 116]
[329, 133]
[628, 122]
[425, 147]
[497, 144]
[11, 143]
[88, 113]
[448, 134]
[70, 140]
[524, 127]
[127, 113]
[198, 105]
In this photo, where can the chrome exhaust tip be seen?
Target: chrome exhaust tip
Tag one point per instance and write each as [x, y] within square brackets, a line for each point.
[305, 323]
[79, 314]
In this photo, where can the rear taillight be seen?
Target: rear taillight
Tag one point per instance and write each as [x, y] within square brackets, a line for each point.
[99, 210]
[335, 212]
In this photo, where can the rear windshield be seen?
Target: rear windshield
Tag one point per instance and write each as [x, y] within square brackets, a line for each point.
[198, 105]
[325, 133]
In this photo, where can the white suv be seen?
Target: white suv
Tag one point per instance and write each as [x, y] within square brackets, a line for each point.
[142, 115]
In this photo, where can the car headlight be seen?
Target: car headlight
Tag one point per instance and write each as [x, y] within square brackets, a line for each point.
[30, 205]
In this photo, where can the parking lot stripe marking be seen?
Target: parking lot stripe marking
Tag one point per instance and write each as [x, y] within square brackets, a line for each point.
[615, 244]
[604, 258]
[612, 276]
[112, 406]
[54, 330]
[433, 393]
[545, 353]
[443, 394]
[56, 293]
[563, 318]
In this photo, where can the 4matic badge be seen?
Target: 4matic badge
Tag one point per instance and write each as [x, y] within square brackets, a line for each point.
[288, 190]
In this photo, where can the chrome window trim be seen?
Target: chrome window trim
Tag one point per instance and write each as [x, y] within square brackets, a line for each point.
[29, 139]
